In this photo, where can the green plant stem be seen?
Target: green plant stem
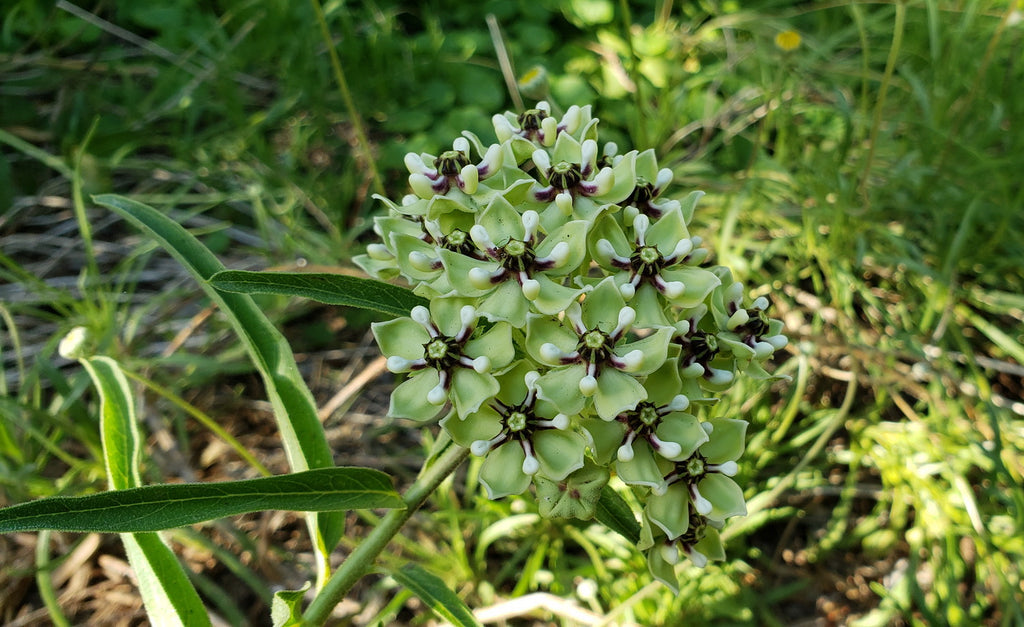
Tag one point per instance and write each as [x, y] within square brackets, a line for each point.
[361, 560]
[346, 96]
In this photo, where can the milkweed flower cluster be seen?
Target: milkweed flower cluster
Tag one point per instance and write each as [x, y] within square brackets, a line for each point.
[575, 328]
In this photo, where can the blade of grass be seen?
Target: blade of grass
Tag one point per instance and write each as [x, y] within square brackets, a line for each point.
[302, 435]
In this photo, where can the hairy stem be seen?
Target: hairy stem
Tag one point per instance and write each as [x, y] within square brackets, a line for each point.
[361, 560]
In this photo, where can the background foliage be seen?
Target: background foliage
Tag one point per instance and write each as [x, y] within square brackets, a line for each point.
[868, 179]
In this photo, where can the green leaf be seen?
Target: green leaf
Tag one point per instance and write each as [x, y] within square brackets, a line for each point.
[166, 591]
[164, 506]
[286, 609]
[294, 409]
[168, 595]
[615, 513]
[439, 598]
[333, 289]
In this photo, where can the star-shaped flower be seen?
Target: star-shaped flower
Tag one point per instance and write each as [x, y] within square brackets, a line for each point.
[591, 355]
[446, 356]
[451, 170]
[514, 268]
[520, 435]
[657, 265]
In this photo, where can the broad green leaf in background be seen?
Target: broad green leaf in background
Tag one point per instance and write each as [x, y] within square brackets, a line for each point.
[438, 597]
[294, 408]
[332, 289]
[615, 513]
[169, 596]
[164, 506]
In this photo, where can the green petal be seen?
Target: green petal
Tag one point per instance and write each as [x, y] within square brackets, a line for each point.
[647, 165]
[502, 471]
[726, 497]
[502, 221]
[667, 231]
[409, 399]
[643, 469]
[405, 244]
[542, 330]
[648, 303]
[698, 281]
[728, 440]
[602, 305]
[561, 387]
[683, 429]
[662, 570]
[671, 510]
[608, 227]
[559, 452]
[616, 392]
[445, 312]
[688, 204]
[403, 337]
[457, 267]
[711, 545]
[506, 303]
[554, 298]
[625, 180]
[567, 148]
[470, 390]
[495, 343]
[654, 347]
[663, 384]
[606, 438]
[483, 424]
[574, 234]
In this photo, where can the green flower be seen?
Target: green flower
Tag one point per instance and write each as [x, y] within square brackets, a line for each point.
[513, 268]
[699, 348]
[658, 428]
[591, 356]
[446, 356]
[700, 543]
[520, 435]
[450, 170]
[658, 265]
[702, 480]
[572, 185]
[747, 332]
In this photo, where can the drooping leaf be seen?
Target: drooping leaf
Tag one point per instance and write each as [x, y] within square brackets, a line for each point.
[294, 408]
[166, 591]
[164, 506]
[332, 289]
[435, 594]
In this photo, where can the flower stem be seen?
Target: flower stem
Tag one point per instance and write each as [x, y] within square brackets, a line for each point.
[361, 560]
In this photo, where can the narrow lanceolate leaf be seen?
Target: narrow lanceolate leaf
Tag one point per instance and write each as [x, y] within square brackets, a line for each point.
[168, 595]
[163, 506]
[166, 591]
[333, 289]
[294, 409]
[615, 513]
[437, 596]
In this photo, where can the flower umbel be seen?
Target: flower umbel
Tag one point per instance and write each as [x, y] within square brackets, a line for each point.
[575, 329]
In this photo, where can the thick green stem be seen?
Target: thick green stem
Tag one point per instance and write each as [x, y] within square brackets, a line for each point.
[361, 560]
